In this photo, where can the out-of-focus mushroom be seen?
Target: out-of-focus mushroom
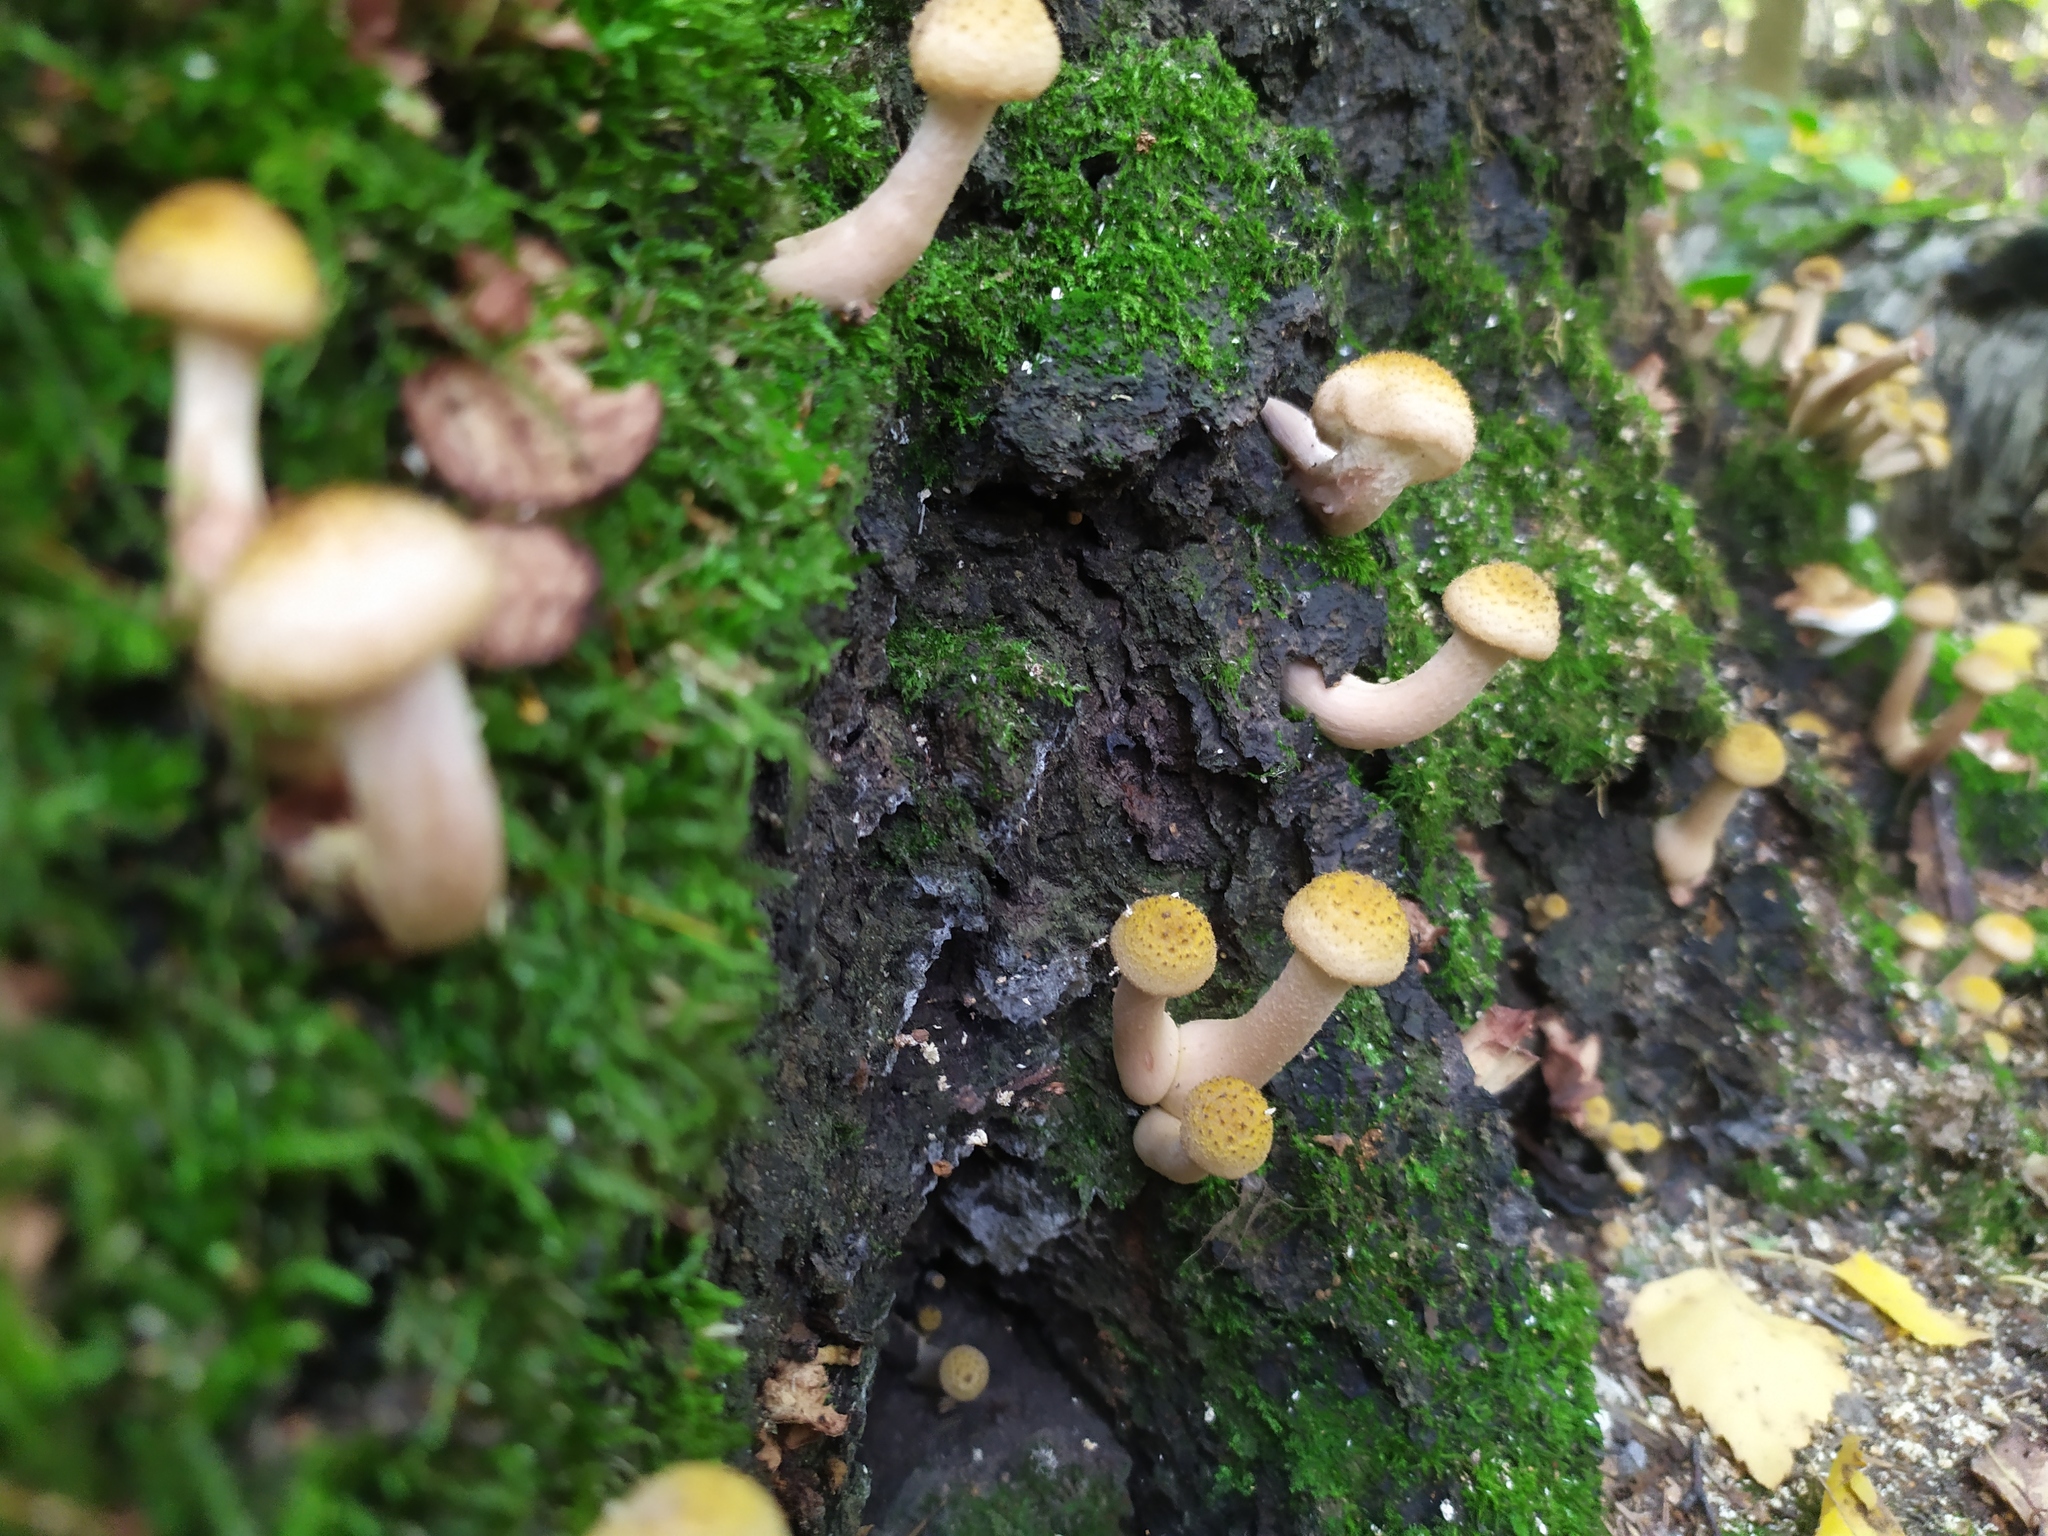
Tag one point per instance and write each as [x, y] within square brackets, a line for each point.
[1890, 459]
[356, 602]
[970, 56]
[1766, 332]
[1813, 280]
[1830, 612]
[1978, 676]
[1164, 948]
[1977, 997]
[2017, 645]
[1748, 757]
[1997, 939]
[963, 1373]
[1921, 936]
[1647, 374]
[545, 583]
[693, 1498]
[538, 436]
[1378, 425]
[1819, 407]
[1498, 611]
[234, 277]
[1931, 608]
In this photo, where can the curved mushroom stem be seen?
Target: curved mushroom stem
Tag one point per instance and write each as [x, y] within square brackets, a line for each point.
[1892, 730]
[431, 862]
[1146, 1043]
[1760, 341]
[1820, 406]
[216, 500]
[1156, 1140]
[1259, 1042]
[848, 264]
[1368, 716]
[1686, 842]
[1942, 736]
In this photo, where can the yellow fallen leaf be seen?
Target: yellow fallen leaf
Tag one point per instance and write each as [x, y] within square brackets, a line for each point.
[1850, 1506]
[1894, 1295]
[1762, 1382]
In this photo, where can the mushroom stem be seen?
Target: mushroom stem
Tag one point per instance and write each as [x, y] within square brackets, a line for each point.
[1262, 1040]
[1978, 962]
[1368, 716]
[432, 857]
[1156, 1140]
[1312, 475]
[1892, 730]
[848, 264]
[1802, 329]
[1942, 736]
[216, 500]
[1820, 406]
[1685, 842]
[1145, 1041]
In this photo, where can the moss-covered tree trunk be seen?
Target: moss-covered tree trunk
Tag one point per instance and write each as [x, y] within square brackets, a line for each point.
[351, 1242]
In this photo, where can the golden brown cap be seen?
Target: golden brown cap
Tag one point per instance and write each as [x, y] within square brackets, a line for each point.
[963, 1373]
[1934, 450]
[214, 255]
[1507, 606]
[1978, 995]
[2016, 644]
[1987, 674]
[1225, 1128]
[1776, 296]
[1862, 340]
[694, 1498]
[345, 594]
[1750, 755]
[1164, 946]
[1922, 930]
[984, 50]
[1398, 397]
[1932, 605]
[1819, 272]
[2005, 937]
[1351, 926]
[1929, 414]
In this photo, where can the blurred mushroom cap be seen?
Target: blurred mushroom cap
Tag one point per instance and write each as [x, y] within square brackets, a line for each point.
[216, 256]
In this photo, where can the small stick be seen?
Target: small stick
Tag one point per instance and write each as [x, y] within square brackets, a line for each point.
[1698, 1493]
[1794, 1258]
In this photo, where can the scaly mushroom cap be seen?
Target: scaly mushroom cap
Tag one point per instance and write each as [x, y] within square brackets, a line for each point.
[1164, 945]
[216, 256]
[1400, 398]
[1978, 995]
[1863, 340]
[1777, 297]
[2015, 644]
[963, 1373]
[1922, 930]
[2008, 939]
[1986, 674]
[1506, 606]
[1750, 755]
[1351, 926]
[1932, 605]
[693, 1498]
[344, 595]
[984, 50]
[1822, 273]
[1225, 1128]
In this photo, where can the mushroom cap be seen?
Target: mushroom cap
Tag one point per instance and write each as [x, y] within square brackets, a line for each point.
[1750, 755]
[214, 255]
[1164, 945]
[344, 595]
[1776, 296]
[1979, 995]
[1922, 930]
[1225, 1127]
[1398, 397]
[1507, 606]
[1987, 674]
[2017, 644]
[1863, 340]
[1935, 450]
[1932, 605]
[1929, 413]
[1351, 926]
[963, 1373]
[1819, 272]
[1680, 176]
[2005, 937]
[984, 50]
[693, 1498]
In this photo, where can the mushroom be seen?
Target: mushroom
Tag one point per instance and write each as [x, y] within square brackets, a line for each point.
[970, 56]
[1164, 948]
[1497, 611]
[1546, 910]
[2015, 644]
[1378, 425]
[545, 583]
[1225, 1131]
[1748, 757]
[1760, 341]
[1996, 939]
[1977, 997]
[1921, 935]
[693, 1498]
[234, 276]
[1812, 280]
[1980, 675]
[1892, 457]
[1930, 608]
[1820, 405]
[963, 1373]
[355, 603]
[1826, 602]
[1348, 930]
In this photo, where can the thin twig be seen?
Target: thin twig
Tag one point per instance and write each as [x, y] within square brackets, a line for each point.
[1778, 1253]
[2026, 1280]
[1698, 1493]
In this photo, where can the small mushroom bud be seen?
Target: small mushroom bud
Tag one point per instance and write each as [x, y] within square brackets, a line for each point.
[693, 1498]
[1543, 911]
[1497, 612]
[963, 1373]
[1225, 1131]
[1980, 675]
[1164, 948]
[1930, 608]
[1921, 935]
[1748, 757]
[1761, 340]
[1996, 939]
[1378, 426]
[970, 56]
[234, 276]
[1812, 280]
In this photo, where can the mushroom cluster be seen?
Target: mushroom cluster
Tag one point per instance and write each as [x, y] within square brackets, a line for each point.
[355, 608]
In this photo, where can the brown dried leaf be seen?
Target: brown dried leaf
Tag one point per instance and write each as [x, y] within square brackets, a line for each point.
[796, 1393]
[1422, 933]
[545, 583]
[1494, 1046]
[497, 298]
[1571, 1066]
[2017, 1470]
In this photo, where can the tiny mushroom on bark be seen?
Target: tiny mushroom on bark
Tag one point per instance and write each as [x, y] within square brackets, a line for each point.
[963, 1373]
[1980, 675]
[233, 276]
[1497, 611]
[1378, 425]
[1930, 608]
[355, 603]
[545, 583]
[693, 1498]
[1748, 757]
[970, 56]
[1164, 948]
[1226, 1128]
[1921, 935]
[1996, 939]
[1812, 281]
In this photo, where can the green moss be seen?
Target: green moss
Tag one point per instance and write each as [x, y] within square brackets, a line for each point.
[983, 675]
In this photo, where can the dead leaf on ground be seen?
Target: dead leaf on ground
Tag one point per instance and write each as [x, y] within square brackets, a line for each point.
[1494, 1046]
[1571, 1066]
[1762, 1382]
[1897, 1298]
[796, 1393]
[537, 435]
[1849, 1504]
[545, 583]
[497, 298]
[2017, 1470]
[1422, 933]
